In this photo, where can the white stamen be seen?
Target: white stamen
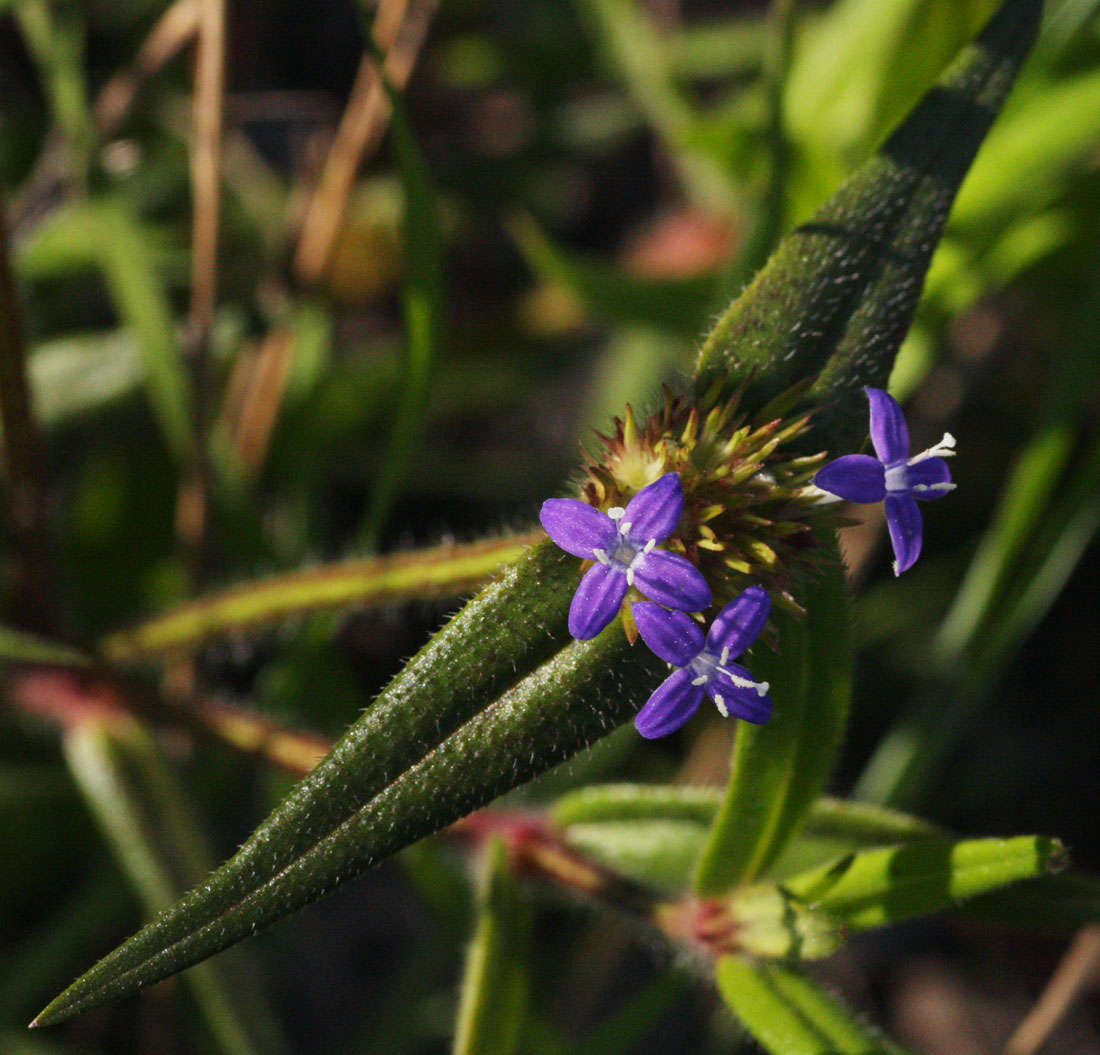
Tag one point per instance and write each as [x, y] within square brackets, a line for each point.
[724, 659]
[945, 487]
[723, 710]
[625, 526]
[616, 512]
[630, 575]
[701, 680]
[649, 545]
[746, 683]
[944, 449]
[601, 556]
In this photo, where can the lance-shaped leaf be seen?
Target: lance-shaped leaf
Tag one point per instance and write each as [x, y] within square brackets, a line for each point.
[876, 887]
[780, 768]
[838, 295]
[789, 1013]
[583, 693]
[441, 740]
[157, 840]
[656, 833]
[497, 980]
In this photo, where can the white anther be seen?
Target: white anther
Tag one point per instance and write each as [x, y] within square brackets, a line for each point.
[723, 710]
[725, 656]
[944, 487]
[630, 576]
[625, 526]
[701, 680]
[944, 449]
[616, 512]
[649, 545]
[601, 556]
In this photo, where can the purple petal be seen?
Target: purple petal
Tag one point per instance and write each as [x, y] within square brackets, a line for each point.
[739, 701]
[673, 636]
[654, 511]
[903, 520]
[855, 478]
[672, 580]
[596, 601]
[577, 527]
[928, 473]
[673, 703]
[889, 433]
[739, 624]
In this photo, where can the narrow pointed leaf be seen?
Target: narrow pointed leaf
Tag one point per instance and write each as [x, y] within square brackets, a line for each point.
[779, 769]
[159, 844]
[17, 646]
[877, 887]
[496, 984]
[380, 788]
[656, 833]
[791, 1015]
[440, 571]
[838, 295]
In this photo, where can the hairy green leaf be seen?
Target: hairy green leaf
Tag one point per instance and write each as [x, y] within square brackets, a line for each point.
[497, 980]
[159, 844]
[876, 887]
[780, 768]
[791, 1015]
[838, 295]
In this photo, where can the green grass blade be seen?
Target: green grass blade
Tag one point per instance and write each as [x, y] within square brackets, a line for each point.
[780, 768]
[634, 50]
[442, 571]
[496, 983]
[423, 309]
[17, 646]
[105, 235]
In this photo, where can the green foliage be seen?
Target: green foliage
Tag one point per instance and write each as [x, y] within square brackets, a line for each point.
[372, 411]
[791, 1015]
[780, 768]
[496, 982]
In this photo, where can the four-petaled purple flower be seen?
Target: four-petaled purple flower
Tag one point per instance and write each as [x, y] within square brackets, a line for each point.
[892, 476]
[622, 542]
[704, 663]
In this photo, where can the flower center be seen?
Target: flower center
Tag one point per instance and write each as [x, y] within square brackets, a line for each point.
[707, 666]
[627, 554]
[897, 474]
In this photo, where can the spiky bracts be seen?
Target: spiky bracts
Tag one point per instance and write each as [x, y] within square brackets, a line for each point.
[751, 512]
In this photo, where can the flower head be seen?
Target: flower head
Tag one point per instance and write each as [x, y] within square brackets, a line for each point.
[750, 512]
[892, 476]
[622, 541]
[704, 662]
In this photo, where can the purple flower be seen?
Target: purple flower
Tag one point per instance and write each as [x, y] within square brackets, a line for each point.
[622, 542]
[892, 476]
[704, 663]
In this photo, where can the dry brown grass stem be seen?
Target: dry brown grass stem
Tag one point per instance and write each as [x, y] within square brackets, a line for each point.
[173, 31]
[1078, 971]
[192, 512]
[400, 27]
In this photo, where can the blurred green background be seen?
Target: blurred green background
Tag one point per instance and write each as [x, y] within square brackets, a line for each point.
[569, 192]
